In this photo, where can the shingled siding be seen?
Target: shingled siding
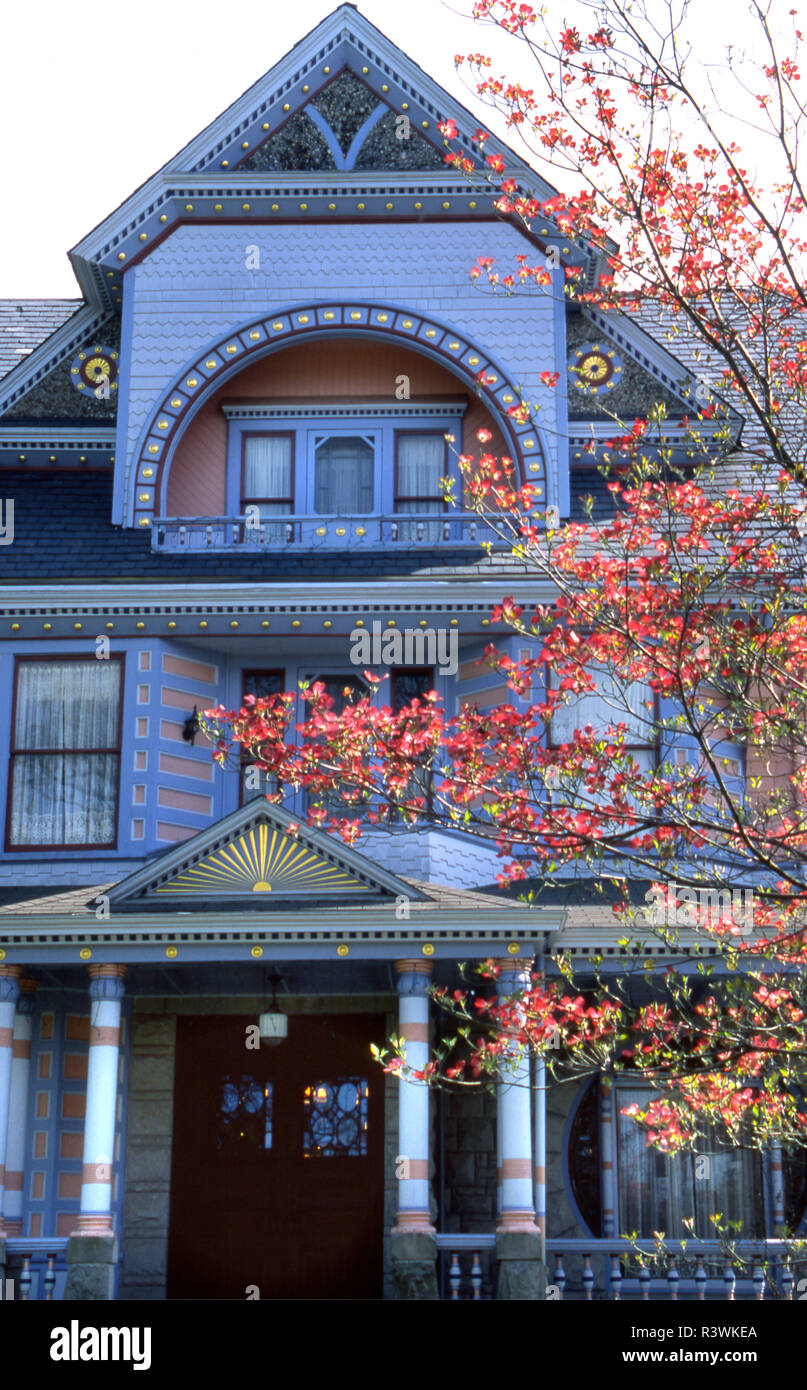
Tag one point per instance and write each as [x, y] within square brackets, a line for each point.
[147, 1199]
[63, 532]
[198, 285]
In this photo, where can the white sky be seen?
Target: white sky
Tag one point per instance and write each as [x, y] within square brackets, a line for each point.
[94, 101]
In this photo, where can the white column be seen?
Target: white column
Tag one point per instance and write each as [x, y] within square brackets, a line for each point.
[106, 993]
[9, 993]
[607, 1156]
[413, 1097]
[777, 1187]
[515, 1120]
[18, 1107]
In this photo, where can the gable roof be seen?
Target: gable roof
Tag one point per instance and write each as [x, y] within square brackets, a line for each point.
[258, 855]
[25, 323]
[217, 170]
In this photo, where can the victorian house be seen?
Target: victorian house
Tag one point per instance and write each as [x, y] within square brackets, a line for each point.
[217, 462]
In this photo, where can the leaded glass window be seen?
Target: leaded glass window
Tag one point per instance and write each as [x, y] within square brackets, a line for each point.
[336, 1118]
[245, 1113]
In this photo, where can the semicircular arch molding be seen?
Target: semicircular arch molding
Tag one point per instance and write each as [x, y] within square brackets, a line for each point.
[229, 355]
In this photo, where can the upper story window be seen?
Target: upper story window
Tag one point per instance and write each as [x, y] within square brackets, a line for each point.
[65, 753]
[322, 465]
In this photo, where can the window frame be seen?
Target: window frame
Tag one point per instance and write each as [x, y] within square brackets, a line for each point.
[256, 501]
[397, 498]
[626, 1083]
[306, 422]
[15, 753]
[652, 747]
[246, 760]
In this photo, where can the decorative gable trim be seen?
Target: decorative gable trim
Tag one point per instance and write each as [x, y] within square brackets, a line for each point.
[259, 850]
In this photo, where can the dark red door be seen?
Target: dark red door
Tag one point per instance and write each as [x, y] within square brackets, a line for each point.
[277, 1166]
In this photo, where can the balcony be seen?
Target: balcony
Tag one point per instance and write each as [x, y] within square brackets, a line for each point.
[402, 531]
[590, 1270]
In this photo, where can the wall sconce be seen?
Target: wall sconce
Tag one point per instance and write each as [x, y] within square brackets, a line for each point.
[191, 727]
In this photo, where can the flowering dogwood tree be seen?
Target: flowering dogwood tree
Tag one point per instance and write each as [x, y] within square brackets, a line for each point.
[684, 611]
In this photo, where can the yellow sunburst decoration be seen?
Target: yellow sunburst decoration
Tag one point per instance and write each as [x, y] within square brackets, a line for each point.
[263, 860]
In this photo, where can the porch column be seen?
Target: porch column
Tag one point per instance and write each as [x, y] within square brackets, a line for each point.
[518, 1239]
[414, 1250]
[607, 1152]
[18, 1107]
[92, 1248]
[540, 1132]
[9, 993]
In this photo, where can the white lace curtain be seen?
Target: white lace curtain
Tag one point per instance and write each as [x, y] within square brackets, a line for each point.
[267, 472]
[613, 702]
[421, 465]
[65, 774]
[658, 1191]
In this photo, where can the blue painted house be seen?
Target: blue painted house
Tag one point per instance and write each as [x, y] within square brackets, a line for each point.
[218, 462]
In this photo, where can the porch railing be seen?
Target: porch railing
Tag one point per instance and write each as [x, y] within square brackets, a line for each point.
[595, 1270]
[401, 531]
[36, 1268]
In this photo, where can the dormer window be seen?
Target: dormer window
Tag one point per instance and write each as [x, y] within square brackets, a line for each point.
[339, 463]
[344, 475]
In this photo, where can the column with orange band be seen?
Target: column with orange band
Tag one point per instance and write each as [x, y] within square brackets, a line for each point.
[413, 1097]
[106, 994]
[9, 994]
[18, 1107]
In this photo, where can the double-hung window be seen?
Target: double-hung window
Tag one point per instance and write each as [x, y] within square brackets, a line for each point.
[65, 753]
[420, 465]
[267, 477]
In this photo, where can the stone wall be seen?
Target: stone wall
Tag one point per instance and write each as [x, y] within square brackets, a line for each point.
[146, 1206]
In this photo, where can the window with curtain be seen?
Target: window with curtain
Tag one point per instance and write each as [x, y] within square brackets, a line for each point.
[613, 702]
[261, 684]
[408, 683]
[658, 1191]
[268, 481]
[344, 690]
[420, 465]
[344, 476]
[65, 758]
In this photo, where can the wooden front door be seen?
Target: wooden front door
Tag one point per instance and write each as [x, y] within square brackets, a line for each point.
[277, 1165]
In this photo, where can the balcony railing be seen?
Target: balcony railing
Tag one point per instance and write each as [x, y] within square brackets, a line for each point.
[615, 1270]
[402, 531]
[36, 1268]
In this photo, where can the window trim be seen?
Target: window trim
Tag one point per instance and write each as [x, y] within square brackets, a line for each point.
[652, 746]
[268, 434]
[305, 420]
[397, 497]
[246, 760]
[14, 752]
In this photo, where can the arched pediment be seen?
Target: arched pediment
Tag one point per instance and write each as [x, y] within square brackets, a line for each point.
[226, 357]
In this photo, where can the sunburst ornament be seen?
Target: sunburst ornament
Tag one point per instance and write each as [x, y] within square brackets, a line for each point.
[262, 860]
[95, 369]
[593, 368]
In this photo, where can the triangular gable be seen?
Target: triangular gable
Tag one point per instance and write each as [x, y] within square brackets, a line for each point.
[345, 127]
[298, 119]
[259, 855]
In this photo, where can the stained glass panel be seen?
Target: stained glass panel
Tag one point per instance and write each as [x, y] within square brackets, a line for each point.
[245, 1113]
[336, 1118]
